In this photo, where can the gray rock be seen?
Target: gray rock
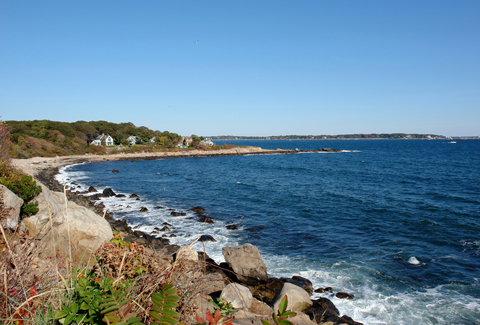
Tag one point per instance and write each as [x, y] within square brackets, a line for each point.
[301, 319]
[298, 298]
[239, 296]
[187, 253]
[88, 231]
[11, 205]
[260, 308]
[246, 262]
[214, 282]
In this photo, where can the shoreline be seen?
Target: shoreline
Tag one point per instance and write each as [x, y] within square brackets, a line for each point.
[44, 170]
[33, 166]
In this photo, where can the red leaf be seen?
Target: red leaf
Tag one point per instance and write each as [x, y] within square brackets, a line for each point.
[32, 291]
[217, 316]
[200, 319]
[209, 316]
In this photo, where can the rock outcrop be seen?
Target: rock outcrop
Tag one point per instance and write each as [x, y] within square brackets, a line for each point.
[239, 296]
[186, 253]
[10, 204]
[246, 262]
[87, 231]
[298, 298]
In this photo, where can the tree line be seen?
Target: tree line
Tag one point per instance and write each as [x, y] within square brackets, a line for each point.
[51, 138]
[339, 136]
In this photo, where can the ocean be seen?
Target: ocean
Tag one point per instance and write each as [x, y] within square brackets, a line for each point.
[396, 223]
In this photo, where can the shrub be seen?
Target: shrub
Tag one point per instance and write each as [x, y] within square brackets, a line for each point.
[4, 141]
[24, 186]
[96, 150]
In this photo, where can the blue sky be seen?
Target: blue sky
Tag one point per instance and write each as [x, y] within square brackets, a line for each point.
[258, 68]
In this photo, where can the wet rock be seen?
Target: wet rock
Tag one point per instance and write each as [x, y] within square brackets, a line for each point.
[178, 214]
[256, 228]
[323, 310]
[133, 195]
[306, 283]
[206, 219]
[115, 171]
[328, 289]
[166, 224]
[343, 295]
[158, 207]
[268, 291]
[108, 192]
[143, 209]
[232, 227]
[173, 235]
[165, 229]
[320, 290]
[120, 225]
[120, 195]
[197, 209]
[348, 320]
[205, 238]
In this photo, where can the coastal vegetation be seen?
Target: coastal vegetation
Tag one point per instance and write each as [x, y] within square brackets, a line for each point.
[332, 137]
[22, 185]
[45, 138]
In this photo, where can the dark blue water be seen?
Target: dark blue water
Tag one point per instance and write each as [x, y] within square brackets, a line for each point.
[394, 222]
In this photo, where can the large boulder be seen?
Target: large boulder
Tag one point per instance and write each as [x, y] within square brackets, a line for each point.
[186, 253]
[239, 296]
[298, 298]
[246, 262]
[10, 205]
[87, 231]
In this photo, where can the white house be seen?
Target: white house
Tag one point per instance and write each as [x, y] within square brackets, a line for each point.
[96, 142]
[108, 140]
[103, 139]
[133, 139]
[207, 142]
[153, 139]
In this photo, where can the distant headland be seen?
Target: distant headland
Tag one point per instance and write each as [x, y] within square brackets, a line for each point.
[341, 136]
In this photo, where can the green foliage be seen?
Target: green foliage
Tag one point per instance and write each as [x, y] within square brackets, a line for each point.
[225, 308]
[164, 303]
[95, 301]
[117, 308]
[51, 138]
[117, 240]
[281, 317]
[85, 307]
[24, 186]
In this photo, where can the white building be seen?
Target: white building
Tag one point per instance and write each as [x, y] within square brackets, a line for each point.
[103, 139]
[133, 139]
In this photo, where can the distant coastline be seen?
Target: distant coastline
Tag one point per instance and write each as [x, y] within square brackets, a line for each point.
[372, 136]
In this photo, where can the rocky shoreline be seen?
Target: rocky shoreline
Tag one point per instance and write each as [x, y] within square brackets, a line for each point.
[244, 265]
